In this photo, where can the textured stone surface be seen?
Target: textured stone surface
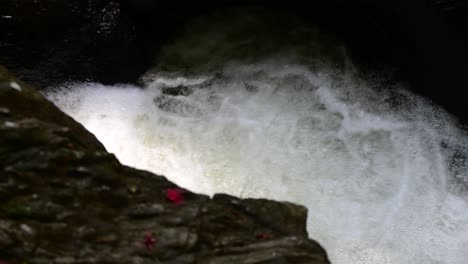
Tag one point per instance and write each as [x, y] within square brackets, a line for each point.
[64, 199]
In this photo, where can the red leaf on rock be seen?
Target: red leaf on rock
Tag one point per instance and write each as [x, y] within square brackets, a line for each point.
[263, 236]
[149, 241]
[175, 195]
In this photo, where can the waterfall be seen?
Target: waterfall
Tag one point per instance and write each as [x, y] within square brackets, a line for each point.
[383, 172]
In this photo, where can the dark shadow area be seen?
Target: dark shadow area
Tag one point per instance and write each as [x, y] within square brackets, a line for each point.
[421, 42]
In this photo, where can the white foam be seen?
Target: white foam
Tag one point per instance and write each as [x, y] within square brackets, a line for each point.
[382, 184]
[16, 86]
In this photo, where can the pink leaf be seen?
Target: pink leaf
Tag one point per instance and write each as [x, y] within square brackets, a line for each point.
[149, 241]
[175, 195]
[263, 236]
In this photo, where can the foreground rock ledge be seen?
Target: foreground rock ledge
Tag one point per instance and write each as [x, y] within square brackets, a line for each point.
[64, 199]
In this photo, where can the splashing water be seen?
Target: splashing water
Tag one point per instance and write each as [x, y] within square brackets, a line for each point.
[382, 184]
[383, 172]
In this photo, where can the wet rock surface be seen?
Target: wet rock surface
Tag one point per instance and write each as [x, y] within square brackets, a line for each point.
[64, 199]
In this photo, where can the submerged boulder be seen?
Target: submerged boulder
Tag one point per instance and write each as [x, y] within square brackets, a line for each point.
[64, 199]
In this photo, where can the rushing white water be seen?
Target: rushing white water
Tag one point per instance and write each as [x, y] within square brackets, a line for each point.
[383, 172]
[382, 184]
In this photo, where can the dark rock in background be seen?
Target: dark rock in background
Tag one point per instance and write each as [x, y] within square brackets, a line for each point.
[64, 199]
[455, 11]
[48, 42]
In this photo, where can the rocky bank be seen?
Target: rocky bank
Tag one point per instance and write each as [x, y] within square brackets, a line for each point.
[64, 199]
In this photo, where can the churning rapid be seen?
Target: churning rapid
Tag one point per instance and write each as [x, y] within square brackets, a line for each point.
[383, 172]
